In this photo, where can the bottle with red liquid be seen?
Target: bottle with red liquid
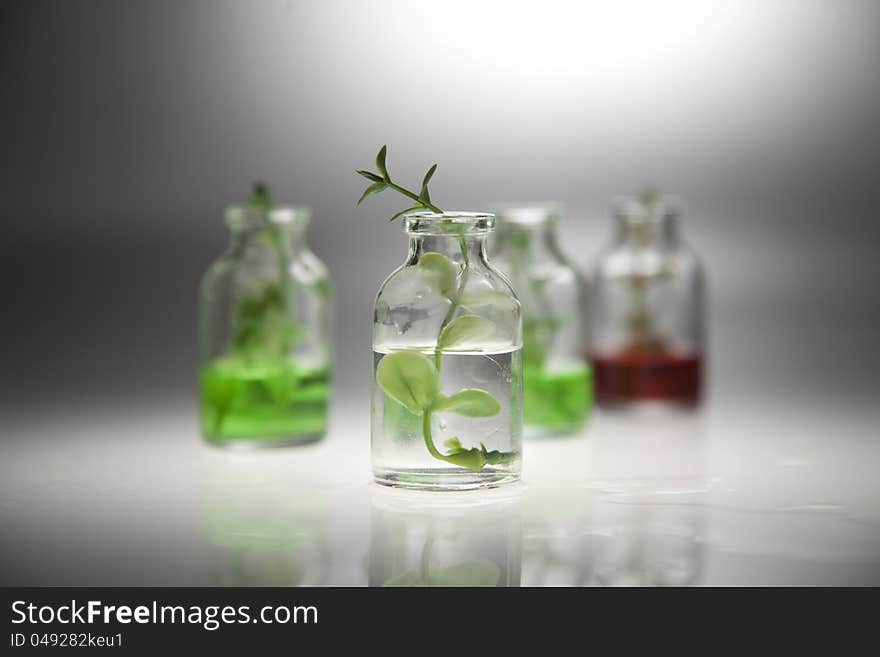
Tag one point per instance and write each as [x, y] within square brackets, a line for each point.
[647, 325]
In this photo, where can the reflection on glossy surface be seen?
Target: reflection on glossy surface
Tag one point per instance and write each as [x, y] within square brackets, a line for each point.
[259, 534]
[747, 495]
[638, 515]
[445, 539]
[614, 540]
[647, 542]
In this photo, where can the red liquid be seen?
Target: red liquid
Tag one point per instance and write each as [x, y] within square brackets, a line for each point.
[646, 375]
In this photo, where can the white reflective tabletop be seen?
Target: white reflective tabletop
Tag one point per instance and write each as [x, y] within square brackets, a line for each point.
[737, 495]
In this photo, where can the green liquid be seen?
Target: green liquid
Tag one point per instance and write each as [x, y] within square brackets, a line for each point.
[559, 402]
[263, 402]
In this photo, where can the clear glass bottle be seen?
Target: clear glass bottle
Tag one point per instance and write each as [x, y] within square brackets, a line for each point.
[557, 381]
[447, 362]
[265, 333]
[647, 310]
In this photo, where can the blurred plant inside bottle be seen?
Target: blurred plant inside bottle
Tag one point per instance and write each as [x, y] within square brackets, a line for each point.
[557, 382]
[647, 310]
[264, 331]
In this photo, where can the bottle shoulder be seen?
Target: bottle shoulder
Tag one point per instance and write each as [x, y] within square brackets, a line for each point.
[251, 267]
[221, 268]
[488, 275]
[623, 260]
[548, 271]
[414, 281]
[308, 269]
[419, 299]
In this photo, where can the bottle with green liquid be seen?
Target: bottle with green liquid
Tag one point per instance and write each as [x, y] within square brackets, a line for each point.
[265, 331]
[557, 382]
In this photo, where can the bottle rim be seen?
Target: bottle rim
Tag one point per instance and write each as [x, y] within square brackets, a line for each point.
[455, 223]
[528, 214]
[243, 216]
[633, 210]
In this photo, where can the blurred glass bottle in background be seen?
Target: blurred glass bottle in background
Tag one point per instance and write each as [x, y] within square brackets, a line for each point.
[265, 331]
[647, 309]
[557, 383]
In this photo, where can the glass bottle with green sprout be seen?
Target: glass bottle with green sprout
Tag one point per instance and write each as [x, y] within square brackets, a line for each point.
[265, 331]
[647, 310]
[447, 361]
[558, 387]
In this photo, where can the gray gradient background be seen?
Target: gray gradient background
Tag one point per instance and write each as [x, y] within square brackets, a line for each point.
[127, 127]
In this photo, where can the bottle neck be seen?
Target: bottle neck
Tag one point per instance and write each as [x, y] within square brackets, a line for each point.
[465, 249]
[656, 232]
[286, 239]
[535, 243]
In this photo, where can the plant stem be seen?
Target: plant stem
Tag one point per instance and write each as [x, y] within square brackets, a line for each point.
[429, 440]
[438, 362]
[278, 242]
[453, 306]
[438, 354]
[413, 196]
[219, 416]
[425, 561]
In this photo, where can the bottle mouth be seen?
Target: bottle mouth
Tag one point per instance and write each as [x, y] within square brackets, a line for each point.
[239, 217]
[528, 215]
[636, 211]
[448, 223]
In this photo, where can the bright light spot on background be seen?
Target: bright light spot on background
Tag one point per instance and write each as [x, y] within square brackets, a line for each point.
[642, 87]
[570, 63]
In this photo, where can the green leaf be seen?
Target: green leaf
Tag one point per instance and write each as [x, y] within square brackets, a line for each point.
[472, 459]
[380, 162]
[428, 176]
[219, 387]
[519, 240]
[423, 200]
[403, 212]
[649, 196]
[467, 328]
[480, 572]
[453, 444]
[410, 378]
[412, 578]
[323, 287]
[369, 175]
[469, 402]
[280, 386]
[451, 228]
[375, 188]
[439, 273]
[497, 300]
[262, 326]
[496, 457]
[538, 336]
[260, 198]
[424, 195]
